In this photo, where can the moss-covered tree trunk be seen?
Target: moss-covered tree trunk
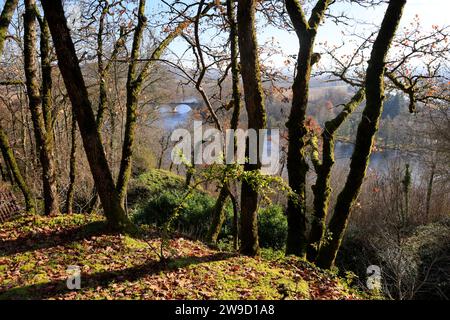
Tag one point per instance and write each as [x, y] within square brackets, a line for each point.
[235, 204]
[135, 81]
[10, 160]
[82, 108]
[47, 82]
[40, 105]
[254, 103]
[133, 90]
[5, 19]
[430, 191]
[321, 188]
[219, 212]
[297, 165]
[218, 215]
[72, 167]
[365, 135]
[103, 72]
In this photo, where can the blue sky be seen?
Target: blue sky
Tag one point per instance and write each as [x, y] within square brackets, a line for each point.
[430, 12]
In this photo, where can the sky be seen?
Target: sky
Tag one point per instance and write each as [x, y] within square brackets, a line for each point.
[431, 12]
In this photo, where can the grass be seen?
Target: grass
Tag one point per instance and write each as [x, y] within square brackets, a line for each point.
[36, 251]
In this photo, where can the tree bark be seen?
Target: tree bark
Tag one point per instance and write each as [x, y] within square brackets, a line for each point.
[82, 108]
[429, 192]
[219, 213]
[322, 189]
[5, 19]
[134, 87]
[297, 165]
[44, 139]
[367, 129]
[254, 103]
[10, 160]
[72, 167]
[218, 216]
[103, 71]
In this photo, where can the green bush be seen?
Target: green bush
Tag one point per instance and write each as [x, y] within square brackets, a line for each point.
[272, 227]
[154, 196]
[195, 215]
[150, 184]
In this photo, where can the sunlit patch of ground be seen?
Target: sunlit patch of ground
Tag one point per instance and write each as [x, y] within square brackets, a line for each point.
[35, 253]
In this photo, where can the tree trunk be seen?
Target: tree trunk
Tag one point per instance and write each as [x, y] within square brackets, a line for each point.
[82, 108]
[297, 165]
[365, 136]
[5, 19]
[44, 139]
[296, 159]
[429, 192]
[322, 189]
[73, 167]
[219, 213]
[235, 221]
[134, 87]
[218, 216]
[10, 160]
[103, 71]
[254, 103]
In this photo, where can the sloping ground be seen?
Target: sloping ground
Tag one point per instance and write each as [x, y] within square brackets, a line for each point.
[35, 253]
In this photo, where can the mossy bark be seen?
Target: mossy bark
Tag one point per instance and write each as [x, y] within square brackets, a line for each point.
[235, 204]
[10, 160]
[297, 165]
[5, 19]
[430, 191]
[103, 72]
[40, 106]
[254, 103]
[218, 216]
[72, 167]
[82, 108]
[134, 87]
[365, 135]
[47, 82]
[321, 188]
[219, 212]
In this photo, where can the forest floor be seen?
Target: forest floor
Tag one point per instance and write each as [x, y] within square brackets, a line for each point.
[36, 251]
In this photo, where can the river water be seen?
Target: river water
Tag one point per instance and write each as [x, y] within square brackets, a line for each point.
[172, 118]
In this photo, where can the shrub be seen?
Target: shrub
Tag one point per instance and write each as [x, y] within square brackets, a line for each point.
[194, 218]
[150, 184]
[156, 194]
[417, 266]
[272, 227]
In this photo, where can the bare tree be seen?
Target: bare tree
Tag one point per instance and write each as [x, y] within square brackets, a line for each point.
[81, 106]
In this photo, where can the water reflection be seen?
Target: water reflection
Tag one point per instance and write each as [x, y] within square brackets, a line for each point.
[173, 117]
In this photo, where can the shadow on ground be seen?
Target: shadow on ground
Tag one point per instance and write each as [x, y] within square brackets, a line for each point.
[37, 241]
[103, 279]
